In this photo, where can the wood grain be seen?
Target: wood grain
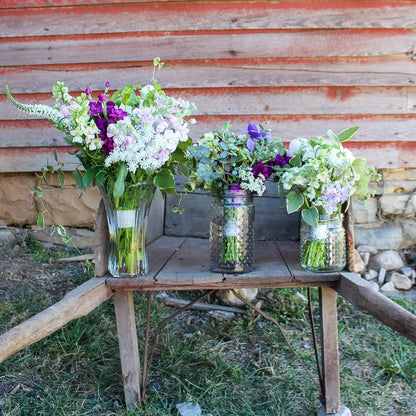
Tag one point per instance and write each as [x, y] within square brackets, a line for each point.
[79, 302]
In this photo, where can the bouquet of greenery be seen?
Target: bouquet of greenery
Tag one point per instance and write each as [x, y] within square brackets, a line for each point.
[137, 134]
[319, 180]
[228, 161]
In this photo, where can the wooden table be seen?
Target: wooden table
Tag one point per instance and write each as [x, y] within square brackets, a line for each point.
[183, 264]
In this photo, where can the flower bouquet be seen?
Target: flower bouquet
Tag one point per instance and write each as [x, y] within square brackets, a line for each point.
[232, 167]
[129, 143]
[319, 180]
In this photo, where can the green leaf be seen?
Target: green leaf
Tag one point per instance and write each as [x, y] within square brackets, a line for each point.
[347, 134]
[89, 177]
[39, 192]
[164, 179]
[294, 202]
[61, 230]
[310, 216]
[55, 155]
[61, 177]
[119, 184]
[359, 164]
[282, 191]
[332, 135]
[296, 161]
[77, 175]
[40, 220]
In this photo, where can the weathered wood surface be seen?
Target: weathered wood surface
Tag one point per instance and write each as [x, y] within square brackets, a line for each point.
[328, 64]
[129, 351]
[79, 302]
[362, 295]
[225, 16]
[187, 267]
[329, 349]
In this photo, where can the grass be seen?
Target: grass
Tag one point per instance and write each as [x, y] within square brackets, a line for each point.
[230, 367]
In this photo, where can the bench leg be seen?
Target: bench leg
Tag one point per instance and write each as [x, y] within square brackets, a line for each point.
[329, 343]
[129, 351]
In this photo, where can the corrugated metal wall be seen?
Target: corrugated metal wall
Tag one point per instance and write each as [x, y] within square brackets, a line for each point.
[301, 66]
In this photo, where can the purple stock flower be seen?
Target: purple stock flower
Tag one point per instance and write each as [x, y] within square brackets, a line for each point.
[96, 108]
[102, 97]
[114, 114]
[88, 91]
[261, 168]
[281, 160]
[107, 84]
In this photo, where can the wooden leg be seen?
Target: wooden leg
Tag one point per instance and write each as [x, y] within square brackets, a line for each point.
[329, 342]
[129, 351]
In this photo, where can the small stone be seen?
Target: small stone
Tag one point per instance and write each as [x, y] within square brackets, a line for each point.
[373, 273]
[366, 249]
[381, 276]
[365, 256]
[343, 411]
[407, 271]
[367, 276]
[189, 409]
[228, 297]
[401, 281]
[389, 260]
[6, 234]
[388, 287]
[359, 265]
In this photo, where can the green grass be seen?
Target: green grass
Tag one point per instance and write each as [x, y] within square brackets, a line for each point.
[230, 367]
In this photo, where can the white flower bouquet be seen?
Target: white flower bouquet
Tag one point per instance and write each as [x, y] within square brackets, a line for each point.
[135, 135]
[319, 181]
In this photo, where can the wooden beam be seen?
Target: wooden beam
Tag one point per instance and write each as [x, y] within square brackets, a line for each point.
[329, 340]
[79, 302]
[129, 352]
[361, 294]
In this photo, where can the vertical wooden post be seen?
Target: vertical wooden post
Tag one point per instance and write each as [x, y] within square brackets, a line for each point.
[329, 342]
[129, 351]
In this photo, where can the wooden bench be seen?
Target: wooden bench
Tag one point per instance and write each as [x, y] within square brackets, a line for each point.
[182, 263]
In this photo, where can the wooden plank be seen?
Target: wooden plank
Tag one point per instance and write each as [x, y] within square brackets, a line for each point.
[372, 128]
[206, 16]
[395, 70]
[190, 46]
[129, 351]
[79, 302]
[361, 294]
[390, 154]
[329, 349]
[195, 221]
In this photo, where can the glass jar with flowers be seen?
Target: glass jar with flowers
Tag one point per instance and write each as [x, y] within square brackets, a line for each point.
[319, 181]
[233, 167]
[129, 143]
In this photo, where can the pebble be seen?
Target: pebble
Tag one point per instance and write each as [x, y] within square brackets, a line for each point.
[388, 287]
[381, 275]
[189, 409]
[389, 260]
[401, 281]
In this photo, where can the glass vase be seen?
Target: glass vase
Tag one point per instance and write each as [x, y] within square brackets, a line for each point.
[232, 231]
[323, 248]
[127, 223]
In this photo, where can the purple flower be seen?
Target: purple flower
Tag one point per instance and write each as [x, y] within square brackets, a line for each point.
[102, 97]
[88, 91]
[261, 168]
[107, 84]
[255, 133]
[114, 114]
[95, 108]
[281, 160]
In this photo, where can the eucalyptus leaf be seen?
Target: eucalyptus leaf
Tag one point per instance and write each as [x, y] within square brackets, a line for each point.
[61, 177]
[332, 135]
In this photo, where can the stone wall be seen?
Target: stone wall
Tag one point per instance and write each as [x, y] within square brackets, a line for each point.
[386, 221]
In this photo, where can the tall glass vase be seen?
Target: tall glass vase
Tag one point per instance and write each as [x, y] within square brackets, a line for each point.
[127, 224]
[232, 231]
[323, 248]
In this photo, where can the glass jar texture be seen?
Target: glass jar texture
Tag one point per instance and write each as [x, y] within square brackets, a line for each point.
[232, 231]
[323, 248]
